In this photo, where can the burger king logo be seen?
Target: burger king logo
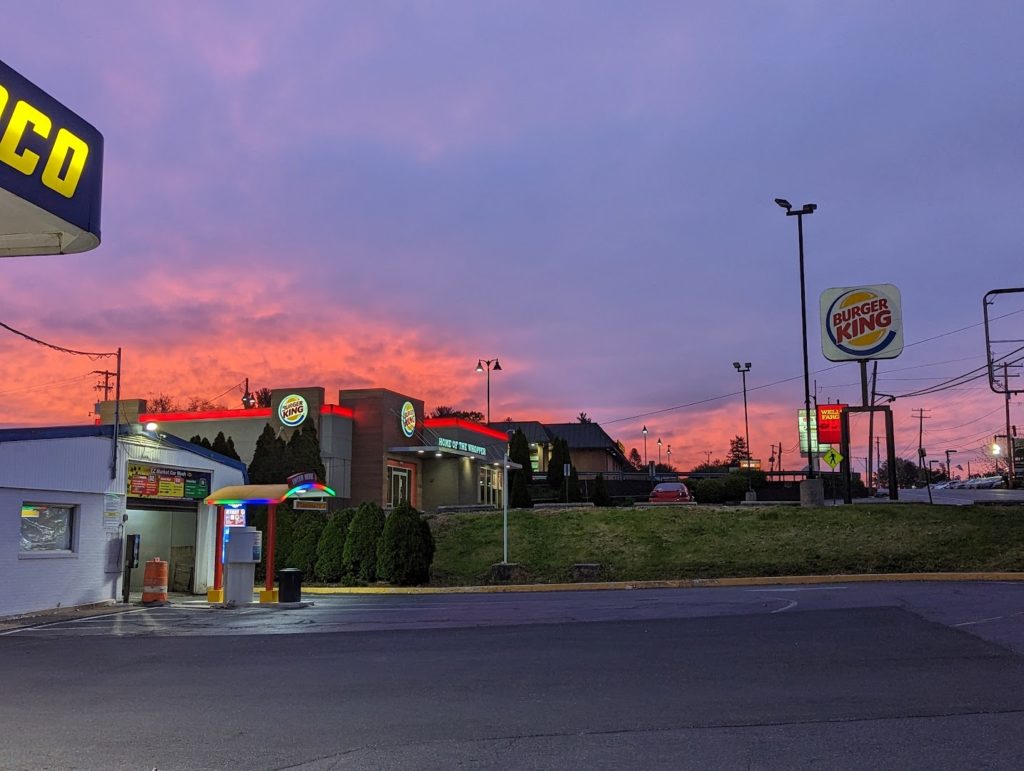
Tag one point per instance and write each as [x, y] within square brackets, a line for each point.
[292, 410]
[408, 419]
[861, 323]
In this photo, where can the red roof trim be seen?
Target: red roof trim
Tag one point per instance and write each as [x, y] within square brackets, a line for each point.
[466, 425]
[170, 417]
[337, 409]
[256, 412]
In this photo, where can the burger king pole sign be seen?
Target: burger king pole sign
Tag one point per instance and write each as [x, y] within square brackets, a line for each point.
[861, 322]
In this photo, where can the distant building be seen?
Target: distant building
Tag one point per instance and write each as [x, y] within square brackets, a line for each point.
[591, 450]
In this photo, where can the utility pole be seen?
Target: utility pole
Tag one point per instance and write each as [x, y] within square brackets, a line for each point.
[1011, 462]
[105, 387]
[921, 417]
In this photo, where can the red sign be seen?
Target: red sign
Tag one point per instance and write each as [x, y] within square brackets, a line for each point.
[830, 428]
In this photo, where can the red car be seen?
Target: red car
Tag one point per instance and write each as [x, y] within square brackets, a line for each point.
[670, 492]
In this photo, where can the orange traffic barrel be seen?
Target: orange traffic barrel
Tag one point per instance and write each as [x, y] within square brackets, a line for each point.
[154, 582]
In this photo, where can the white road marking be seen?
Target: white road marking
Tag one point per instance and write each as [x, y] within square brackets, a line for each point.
[985, 620]
[792, 604]
[799, 589]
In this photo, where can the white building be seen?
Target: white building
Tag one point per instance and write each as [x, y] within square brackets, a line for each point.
[69, 498]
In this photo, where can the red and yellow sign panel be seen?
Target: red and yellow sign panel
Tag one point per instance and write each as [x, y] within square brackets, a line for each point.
[830, 427]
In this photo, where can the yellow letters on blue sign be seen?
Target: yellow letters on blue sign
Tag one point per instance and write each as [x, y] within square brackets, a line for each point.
[68, 153]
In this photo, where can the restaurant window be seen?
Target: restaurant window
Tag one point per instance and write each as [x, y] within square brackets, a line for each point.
[490, 486]
[47, 528]
[398, 486]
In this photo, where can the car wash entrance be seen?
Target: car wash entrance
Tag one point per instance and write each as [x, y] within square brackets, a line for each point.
[163, 509]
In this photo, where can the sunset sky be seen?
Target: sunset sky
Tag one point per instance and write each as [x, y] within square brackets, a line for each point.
[377, 194]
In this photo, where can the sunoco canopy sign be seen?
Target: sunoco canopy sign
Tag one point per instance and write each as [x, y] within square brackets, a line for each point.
[861, 322]
[51, 173]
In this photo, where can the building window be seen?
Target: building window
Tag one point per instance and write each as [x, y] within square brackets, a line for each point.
[47, 528]
[490, 486]
[398, 486]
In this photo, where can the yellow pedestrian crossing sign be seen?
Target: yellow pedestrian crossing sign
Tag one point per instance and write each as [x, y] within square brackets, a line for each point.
[832, 458]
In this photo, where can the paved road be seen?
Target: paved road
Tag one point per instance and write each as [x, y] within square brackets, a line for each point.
[962, 497]
[839, 676]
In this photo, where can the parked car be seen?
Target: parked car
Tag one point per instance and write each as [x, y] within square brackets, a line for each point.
[670, 492]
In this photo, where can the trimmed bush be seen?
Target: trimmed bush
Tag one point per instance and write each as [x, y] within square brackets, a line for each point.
[360, 553]
[330, 563]
[403, 552]
[600, 496]
[519, 497]
[309, 526]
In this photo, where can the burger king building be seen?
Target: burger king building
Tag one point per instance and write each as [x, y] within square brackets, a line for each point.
[375, 444]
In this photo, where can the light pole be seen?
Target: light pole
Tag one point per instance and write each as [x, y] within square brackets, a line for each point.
[949, 469]
[644, 429]
[669, 453]
[746, 423]
[488, 364]
[659, 450]
[808, 208]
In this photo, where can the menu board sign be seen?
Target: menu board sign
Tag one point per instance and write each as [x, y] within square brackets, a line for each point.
[166, 483]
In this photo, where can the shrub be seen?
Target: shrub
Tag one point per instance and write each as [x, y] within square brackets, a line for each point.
[309, 526]
[360, 553]
[284, 537]
[600, 496]
[519, 497]
[709, 490]
[404, 552]
[330, 564]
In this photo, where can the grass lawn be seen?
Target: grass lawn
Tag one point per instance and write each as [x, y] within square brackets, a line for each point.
[634, 544]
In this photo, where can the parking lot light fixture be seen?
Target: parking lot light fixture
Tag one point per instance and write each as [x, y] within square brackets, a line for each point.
[808, 208]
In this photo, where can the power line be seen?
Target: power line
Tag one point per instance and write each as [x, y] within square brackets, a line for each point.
[37, 341]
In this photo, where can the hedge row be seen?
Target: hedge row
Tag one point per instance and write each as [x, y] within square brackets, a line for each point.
[351, 545]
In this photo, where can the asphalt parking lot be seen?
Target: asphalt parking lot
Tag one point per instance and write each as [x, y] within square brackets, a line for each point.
[992, 610]
[921, 675]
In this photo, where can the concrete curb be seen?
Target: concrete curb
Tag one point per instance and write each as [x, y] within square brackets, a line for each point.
[692, 583]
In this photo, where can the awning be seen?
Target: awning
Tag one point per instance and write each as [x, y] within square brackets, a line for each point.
[434, 451]
[237, 494]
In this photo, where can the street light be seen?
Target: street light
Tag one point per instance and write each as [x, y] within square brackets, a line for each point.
[808, 208]
[746, 423]
[949, 469]
[644, 429]
[489, 364]
[669, 453]
[659, 450]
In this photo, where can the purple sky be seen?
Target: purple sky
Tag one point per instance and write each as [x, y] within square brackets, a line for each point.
[380, 193]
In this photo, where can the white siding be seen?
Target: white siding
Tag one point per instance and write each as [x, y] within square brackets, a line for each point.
[76, 470]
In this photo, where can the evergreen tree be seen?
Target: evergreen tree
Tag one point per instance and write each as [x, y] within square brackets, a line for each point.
[309, 526]
[519, 452]
[600, 496]
[519, 495]
[403, 554]
[556, 464]
[224, 446]
[360, 553]
[284, 537]
[202, 441]
[635, 460]
[573, 482]
[267, 464]
[330, 566]
[737, 450]
[303, 452]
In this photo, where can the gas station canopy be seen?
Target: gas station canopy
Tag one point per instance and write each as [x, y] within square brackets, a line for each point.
[51, 173]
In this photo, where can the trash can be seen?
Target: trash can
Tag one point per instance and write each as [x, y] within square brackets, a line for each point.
[289, 585]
